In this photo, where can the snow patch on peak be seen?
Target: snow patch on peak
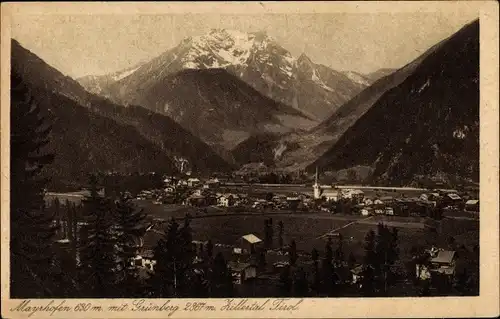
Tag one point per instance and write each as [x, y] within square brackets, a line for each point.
[226, 47]
[124, 74]
[356, 78]
[315, 78]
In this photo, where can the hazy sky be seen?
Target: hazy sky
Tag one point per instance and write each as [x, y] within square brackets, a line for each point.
[79, 45]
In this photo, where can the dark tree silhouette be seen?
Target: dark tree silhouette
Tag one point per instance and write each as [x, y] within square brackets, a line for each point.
[351, 260]
[98, 259]
[221, 280]
[292, 253]
[186, 257]
[130, 227]
[339, 252]
[317, 275]
[285, 282]
[327, 270]
[281, 228]
[387, 252]
[174, 254]
[262, 261]
[210, 249]
[31, 230]
[271, 233]
[370, 260]
[300, 284]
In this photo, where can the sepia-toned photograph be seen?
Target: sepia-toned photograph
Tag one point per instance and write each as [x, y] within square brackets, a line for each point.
[243, 155]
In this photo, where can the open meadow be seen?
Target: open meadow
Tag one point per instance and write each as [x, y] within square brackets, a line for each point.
[308, 229]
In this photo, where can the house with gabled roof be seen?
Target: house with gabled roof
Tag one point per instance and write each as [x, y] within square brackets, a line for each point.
[472, 205]
[436, 261]
[249, 243]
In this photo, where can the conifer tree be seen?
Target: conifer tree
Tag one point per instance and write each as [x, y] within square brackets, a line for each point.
[370, 259]
[31, 227]
[199, 286]
[210, 249]
[267, 233]
[56, 212]
[285, 282]
[317, 276]
[271, 233]
[98, 265]
[328, 270]
[221, 281]
[386, 251]
[281, 228]
[339, 252]
[130, 227]
[292, 254]
[300, 284]
[351, 260]
[186, 256]
[166, 253]
[262, 261]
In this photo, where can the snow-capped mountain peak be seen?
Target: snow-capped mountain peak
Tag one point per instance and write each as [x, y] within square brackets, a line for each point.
[357, 78]
[221, 48]
[254, 57]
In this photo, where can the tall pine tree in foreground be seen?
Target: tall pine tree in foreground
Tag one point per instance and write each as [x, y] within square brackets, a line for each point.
[98, 260]
[281, 228]
[300, 283]
[292, 253]
[221, 280]
[186, 257]
[316, 286]
[130, 227]
[168, 255]
[285, 282]
[327, 270]
[31, 230]
[369, 264]
[386, 251]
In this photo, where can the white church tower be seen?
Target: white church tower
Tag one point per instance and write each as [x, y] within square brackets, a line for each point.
[316, 187]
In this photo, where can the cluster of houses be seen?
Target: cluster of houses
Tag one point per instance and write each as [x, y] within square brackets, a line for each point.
[436, 261]
[198, 192]
[388, 205]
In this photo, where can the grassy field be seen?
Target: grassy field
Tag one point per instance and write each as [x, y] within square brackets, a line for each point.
[289, 189]
[308, 228]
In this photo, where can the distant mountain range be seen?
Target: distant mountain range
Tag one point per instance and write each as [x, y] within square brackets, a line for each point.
[253, 59]
[229, 99]
[106, 131]
[427, 125]
[438, 91]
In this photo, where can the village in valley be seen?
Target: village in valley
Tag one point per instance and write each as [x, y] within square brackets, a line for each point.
[239, 156]
[271, 233]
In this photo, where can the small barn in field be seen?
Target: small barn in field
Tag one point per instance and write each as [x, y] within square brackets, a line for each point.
[472, 205]
[249, 243]
[242, 272]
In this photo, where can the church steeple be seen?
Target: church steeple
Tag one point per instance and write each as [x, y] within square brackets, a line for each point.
[316, 187]
[316, 176]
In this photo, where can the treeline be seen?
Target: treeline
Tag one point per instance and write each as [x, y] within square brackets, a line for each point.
[83, 250]
[92, 247]
[331, 274]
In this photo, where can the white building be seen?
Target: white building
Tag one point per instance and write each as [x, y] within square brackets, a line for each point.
[366, 212]
[316, 187]
[226, 200]
[143, 262]
[327, 193]
[193, 181]
[352, 194]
